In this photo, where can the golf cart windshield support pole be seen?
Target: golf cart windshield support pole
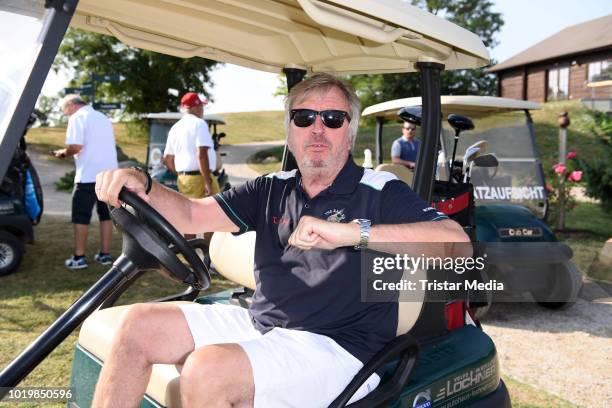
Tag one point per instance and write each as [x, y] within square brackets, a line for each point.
[20, 367]
[293, 76]
[431, 123]
[534, 146]
[55, 26]
[379, 129]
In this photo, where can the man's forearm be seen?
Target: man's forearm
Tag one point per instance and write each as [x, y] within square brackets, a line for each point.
[70, 150]
[169, 162]
[203, 163]
[397, 160]
[431, 238]
[172, 205]
[443, 238]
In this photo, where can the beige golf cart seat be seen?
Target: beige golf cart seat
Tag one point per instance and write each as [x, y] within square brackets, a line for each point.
[233, 258]
[401, 172]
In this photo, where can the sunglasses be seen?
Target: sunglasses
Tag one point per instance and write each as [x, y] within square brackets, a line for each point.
[409, 128]
[332, 118]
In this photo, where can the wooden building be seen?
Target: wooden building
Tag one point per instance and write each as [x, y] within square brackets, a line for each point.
[564, 66]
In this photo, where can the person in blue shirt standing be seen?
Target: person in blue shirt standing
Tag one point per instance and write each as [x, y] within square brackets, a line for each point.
[405, 148]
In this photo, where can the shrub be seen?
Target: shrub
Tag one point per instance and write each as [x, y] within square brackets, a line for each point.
[598, 169]
[66, 183]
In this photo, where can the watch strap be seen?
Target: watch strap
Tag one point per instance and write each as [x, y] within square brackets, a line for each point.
[364, 232]
[149, 183]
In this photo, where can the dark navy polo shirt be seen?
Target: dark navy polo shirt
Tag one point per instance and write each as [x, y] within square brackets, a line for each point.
[319, 290]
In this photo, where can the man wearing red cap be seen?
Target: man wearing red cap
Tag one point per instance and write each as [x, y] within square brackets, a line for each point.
[190, 150]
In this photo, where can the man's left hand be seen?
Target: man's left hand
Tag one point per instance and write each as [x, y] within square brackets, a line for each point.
[313, 232]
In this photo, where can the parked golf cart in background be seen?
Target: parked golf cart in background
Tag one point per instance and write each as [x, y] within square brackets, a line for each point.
[428, 363]
[159, 126]
[510, 198]
[19, 186]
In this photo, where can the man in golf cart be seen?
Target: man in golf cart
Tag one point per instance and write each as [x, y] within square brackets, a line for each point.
[405, 148]
[307, 333]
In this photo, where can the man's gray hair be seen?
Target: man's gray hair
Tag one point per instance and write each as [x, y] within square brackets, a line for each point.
[323, 82]
[72, 99]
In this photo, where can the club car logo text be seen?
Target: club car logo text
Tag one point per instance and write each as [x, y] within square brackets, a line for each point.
[466, 381]
[509, 193]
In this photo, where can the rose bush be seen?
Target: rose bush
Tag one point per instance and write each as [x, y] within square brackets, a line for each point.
[562, 178]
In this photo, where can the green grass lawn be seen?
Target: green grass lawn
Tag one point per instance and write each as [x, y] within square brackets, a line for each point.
[588, 226]
[247, 127]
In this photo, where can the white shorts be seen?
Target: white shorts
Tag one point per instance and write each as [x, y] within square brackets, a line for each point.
[291, 368]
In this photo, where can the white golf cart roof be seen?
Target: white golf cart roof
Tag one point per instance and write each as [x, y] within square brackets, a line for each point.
[211, 118]
[468, 105]
[338, 36]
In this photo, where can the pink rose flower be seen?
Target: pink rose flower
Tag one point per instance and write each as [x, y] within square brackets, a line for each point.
[575, 176]
[571, 155]
[559, 168]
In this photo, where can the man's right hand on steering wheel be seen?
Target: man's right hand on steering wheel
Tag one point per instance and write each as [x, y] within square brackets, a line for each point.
[110, 182]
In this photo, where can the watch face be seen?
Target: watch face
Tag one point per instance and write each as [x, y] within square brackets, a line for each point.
[362, 221]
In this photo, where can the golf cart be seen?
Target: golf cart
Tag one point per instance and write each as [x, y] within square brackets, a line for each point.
[429, 363]
[21, 206]
[510, 198]
[159, 126]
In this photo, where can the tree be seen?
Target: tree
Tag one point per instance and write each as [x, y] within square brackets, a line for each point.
[47, 110]
[148, 76]
[474, 15]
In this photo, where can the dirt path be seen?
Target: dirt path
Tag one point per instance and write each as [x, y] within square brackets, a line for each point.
[567, 353]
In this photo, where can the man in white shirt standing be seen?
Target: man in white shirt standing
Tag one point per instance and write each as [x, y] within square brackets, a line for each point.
[90, 139]
[190, 152]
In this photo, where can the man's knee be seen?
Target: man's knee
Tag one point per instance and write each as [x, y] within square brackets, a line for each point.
[134, 328]
[219, 373]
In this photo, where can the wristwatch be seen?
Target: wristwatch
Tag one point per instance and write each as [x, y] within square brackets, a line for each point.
[149, 182]
[364, 232]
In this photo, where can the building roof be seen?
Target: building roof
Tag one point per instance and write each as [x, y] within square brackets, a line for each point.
[470, 105]
[590, 35]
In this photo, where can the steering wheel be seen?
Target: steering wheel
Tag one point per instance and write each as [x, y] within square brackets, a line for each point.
[150, 241]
